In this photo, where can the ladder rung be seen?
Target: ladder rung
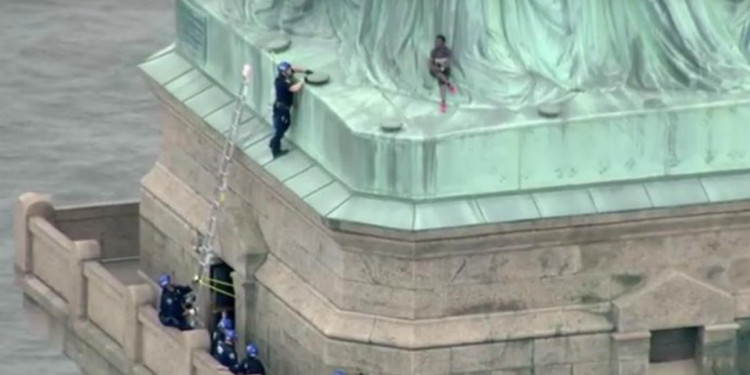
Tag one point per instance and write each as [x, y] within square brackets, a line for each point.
[219, 192]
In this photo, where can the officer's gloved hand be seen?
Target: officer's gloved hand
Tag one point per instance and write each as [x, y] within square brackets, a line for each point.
[184, 289]
[308, 71]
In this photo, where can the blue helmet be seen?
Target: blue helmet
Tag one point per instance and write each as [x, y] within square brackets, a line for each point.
[339, 372]
[164, 280]
[225, 323]
[252, 350]
[284, 66]
[231, 335]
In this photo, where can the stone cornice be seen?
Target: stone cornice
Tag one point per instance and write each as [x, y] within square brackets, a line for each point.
[340, 209]
[427, 333]
[507, 235]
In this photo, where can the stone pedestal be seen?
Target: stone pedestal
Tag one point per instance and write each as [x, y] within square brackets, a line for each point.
[333, 280]
[630, 353]
[241, 287]
[245, 293]
[717, 349]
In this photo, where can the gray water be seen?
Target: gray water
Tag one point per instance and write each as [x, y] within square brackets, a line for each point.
[76, 122]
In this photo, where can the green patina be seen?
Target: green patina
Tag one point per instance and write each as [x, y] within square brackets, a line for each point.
[743, 346]
[591, 298]
[482, 162]
[331, 198]
[628, 280]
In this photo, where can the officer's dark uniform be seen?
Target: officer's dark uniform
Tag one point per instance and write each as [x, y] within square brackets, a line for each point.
[216, 338]
[171, 311]
[226, 355]
[282, 115]
[219, 334]
[251, 366]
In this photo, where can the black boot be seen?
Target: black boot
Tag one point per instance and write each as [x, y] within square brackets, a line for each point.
[279, 153]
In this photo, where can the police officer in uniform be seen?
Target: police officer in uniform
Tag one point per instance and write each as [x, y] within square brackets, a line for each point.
[219, 333]
[282, 115]
[225, 353]
[251, 365]
[171, 311]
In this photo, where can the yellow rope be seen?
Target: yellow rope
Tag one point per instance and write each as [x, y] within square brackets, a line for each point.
[216, 281]
[215, 289]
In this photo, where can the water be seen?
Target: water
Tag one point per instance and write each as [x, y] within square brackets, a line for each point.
[76, 121]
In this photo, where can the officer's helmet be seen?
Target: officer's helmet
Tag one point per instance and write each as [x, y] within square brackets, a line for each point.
[225, 323]
[231, 335]
[339, 372]
[164, 280]
[252, 350]
[284, 66]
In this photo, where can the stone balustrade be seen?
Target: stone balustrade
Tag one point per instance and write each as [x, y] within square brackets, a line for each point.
[106, 296]
[111, 315]
[113, 328]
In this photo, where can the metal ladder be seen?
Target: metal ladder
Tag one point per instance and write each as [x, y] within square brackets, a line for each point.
[206, 240]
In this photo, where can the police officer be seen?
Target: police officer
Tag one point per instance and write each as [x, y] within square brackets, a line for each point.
[219, 333]
[251, 365]
[282, 116]
[225, 353]
[171, 311]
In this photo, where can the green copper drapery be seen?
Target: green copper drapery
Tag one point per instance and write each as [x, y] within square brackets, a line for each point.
[520, 52]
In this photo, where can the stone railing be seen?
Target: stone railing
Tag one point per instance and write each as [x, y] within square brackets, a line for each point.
[115, 226]
[159, 343]
[109, 317]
